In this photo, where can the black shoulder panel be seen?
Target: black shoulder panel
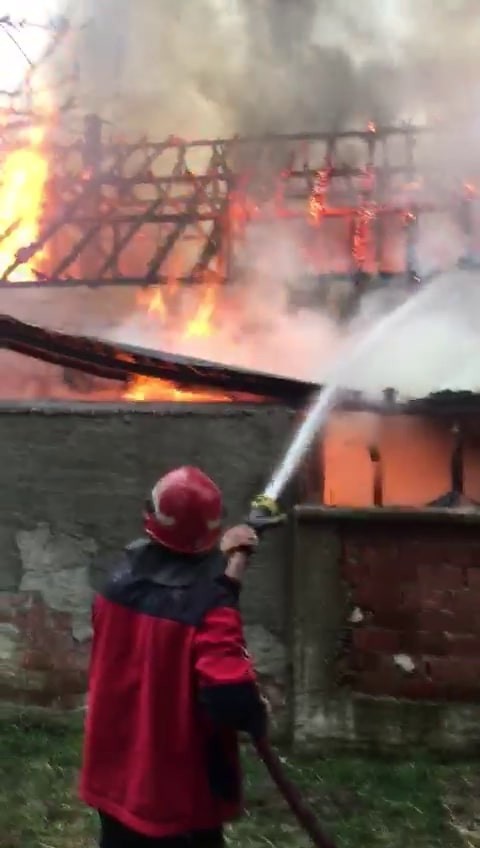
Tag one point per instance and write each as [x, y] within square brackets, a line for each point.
[140, 589]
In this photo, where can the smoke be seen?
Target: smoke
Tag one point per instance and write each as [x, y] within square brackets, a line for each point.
[161, 66]
[435, 346]
[209, 69]
[432, 344]
[254, 321]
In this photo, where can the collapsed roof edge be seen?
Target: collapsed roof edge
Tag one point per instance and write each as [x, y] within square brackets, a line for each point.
[121, 362]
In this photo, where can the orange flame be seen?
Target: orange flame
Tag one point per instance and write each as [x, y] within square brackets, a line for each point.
[160, 303]
[200, 326]
[23, 178]
[149, 389]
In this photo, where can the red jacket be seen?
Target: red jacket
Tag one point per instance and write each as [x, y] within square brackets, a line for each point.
[170, 684]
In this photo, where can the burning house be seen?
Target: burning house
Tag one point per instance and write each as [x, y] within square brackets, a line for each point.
[168, 299]
[163, 244]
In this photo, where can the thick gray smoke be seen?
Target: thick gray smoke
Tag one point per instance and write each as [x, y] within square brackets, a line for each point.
[162, 66]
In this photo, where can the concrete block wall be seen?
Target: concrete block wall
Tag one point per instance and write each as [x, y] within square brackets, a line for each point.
[73, 485]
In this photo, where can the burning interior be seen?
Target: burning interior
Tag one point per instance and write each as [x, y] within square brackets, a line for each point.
[135, 271]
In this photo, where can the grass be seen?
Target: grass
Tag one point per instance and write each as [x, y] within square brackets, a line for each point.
[362, 802]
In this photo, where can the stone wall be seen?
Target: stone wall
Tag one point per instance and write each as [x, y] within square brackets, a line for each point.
[73, 485]
[385, 624]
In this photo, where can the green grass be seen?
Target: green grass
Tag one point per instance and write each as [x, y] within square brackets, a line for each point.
[362, 802]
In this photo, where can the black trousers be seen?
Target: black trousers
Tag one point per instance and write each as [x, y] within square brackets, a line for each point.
[116, 835]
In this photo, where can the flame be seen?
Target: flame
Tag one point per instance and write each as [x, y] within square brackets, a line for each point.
[200, 326]
[317, 200]
[160, 303]
[148, 389]
[23, 177]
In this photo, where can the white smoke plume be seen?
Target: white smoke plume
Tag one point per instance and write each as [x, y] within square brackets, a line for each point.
[434, 345]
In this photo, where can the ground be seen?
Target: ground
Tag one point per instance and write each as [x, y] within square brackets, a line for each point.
[363, 802]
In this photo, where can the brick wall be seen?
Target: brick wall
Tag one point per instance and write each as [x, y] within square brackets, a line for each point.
[41, 662]
[414, 600]
[385, 611]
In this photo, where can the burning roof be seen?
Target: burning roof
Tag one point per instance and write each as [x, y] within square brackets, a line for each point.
[169, 222]
[121, 363]
[197, 379]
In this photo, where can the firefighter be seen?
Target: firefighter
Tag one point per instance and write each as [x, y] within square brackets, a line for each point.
[170, 681]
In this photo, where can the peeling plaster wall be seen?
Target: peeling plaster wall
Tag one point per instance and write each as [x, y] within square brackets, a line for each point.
[58, 568]
[74, 482]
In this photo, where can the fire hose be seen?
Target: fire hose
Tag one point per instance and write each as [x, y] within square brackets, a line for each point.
[265, 514]
[304, 815]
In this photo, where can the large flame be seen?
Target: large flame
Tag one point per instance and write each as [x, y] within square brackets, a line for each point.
[23, 178]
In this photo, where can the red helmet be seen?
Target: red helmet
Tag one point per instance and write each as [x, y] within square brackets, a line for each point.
[184, 512]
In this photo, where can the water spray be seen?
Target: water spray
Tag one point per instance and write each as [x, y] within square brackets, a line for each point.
[265, 512]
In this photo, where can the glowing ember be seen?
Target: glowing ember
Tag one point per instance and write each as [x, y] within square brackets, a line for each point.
[318, 197]
[148, 389]
[23, 177]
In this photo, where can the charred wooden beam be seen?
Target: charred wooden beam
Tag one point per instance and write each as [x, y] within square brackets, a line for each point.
[456, 497]
[286, 138]
[166, 246]
[138, 222]
[211, 249]
[123, 362]
[376, 460]
[456, 462]
[188, 279]
[104, 199]
[145, 177]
